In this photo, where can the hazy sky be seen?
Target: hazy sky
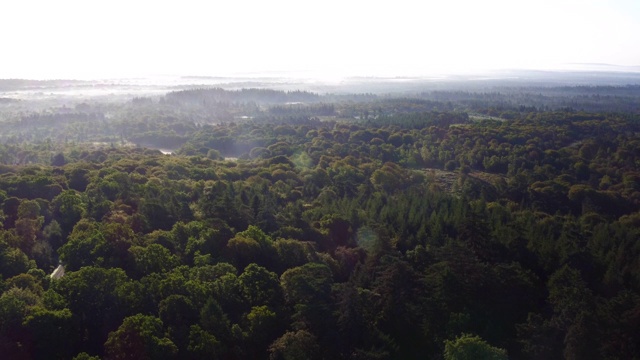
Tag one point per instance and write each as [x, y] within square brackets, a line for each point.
[120, 38]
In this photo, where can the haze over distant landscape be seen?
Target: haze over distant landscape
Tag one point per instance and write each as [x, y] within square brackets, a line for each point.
[328, 40]
[320, 180]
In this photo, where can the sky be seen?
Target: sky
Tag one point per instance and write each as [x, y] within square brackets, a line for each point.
[129, 38]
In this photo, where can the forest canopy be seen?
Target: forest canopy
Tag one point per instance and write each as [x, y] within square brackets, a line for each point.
[258, 223]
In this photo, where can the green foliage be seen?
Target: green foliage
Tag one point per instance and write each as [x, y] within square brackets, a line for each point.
[68, 208]
[306, 283]
[139, 337]
[153, 258]
[297, 345]
[85, 356]
[243, 250]
[470, 347]
[13, 306]
[214, 320]
[53, 335]
[260, 286]
[79, 252]
[363, 227]
[202, 344]
[98, 299]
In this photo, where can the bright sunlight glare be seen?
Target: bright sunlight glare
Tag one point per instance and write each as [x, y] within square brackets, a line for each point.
[81, 39]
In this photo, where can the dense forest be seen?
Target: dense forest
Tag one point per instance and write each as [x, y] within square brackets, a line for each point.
[294, 225]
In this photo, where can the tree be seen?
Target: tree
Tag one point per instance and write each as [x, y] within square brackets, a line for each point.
[26, 281]
[78, 178]
[14, 305]
[68, 208]
[154, 258]
[52, 234]
[243, 250]
[298, 345]
[85, 356]
[573, 305]
[178, 313]
[228, 292]
[82, 251]
[139, 337]
[213, 320]
[28, 224]
[202, 345]
[338, 229]
[307, 283]
[471, 347]
[262, 328]
[13, 261]
[52, 331]
[307, 289]
[98, 299]
[260, 286]
[58, 160]
[292, 253]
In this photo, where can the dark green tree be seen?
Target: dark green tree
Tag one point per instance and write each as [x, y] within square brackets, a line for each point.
[139, 337]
